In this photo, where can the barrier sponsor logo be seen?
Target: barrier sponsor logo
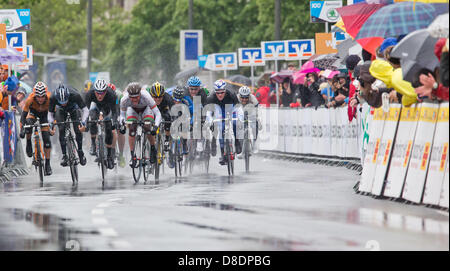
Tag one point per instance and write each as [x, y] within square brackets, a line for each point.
[375, 153]
[250, 57]
[443, 157]
[386, 153]
[299, 49]
[408, 153]
[273, 50]
[225, 61]
[426, 153]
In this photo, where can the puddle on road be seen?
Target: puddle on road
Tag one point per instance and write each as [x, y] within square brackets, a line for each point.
[59, 235]
[205, 227]
[217, 206]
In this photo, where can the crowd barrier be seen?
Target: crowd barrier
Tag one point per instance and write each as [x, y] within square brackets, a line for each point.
[12, 158]
[403, 152]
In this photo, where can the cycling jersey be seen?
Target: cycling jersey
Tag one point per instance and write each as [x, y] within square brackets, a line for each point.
[75, 102]
[251, 100]
[145, 102]
[107, 105]
[33, 109]
[203, 93]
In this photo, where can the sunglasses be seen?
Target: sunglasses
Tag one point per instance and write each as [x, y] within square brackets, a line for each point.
[220, 92]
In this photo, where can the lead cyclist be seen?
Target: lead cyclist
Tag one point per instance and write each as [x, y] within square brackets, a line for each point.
[139, 105]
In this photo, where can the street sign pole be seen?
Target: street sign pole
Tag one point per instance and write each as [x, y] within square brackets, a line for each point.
[326, 27]
[251, 71]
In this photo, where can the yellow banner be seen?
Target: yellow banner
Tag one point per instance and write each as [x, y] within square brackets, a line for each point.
[408, 153]
[386, 153]
[443, 157]
[2, 36]
[443, 114]
[428, 114]
[426, 154]
[393, 114]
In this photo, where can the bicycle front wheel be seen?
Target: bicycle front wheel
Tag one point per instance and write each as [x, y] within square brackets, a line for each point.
[138, 152]
[72, 160]
[146, 166]
[38, 159]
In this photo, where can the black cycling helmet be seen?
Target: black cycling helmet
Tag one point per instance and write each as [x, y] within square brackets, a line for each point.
[157, 90]
[178, 94]
[62, 94]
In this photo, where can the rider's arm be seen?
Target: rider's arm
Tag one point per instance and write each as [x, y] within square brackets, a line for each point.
[85, 115]
[157, 115]
[51, 110]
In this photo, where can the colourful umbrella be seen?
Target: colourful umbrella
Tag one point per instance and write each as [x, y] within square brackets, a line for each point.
[354, 16]
[399, 19]
[281, 75]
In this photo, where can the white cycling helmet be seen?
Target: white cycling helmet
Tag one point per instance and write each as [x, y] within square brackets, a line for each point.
[244, 91]
[219, 84]
[100, 85]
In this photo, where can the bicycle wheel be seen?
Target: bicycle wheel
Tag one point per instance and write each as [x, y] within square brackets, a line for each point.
[247, 155]
[101, 156]
[72, 160]
[146, 166]
[178, 158]
[159, 156]
[38, 153]
[230, 156]
[137, 151]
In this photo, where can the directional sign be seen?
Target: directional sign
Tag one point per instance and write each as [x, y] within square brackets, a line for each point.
[191, 46]
[251, 57]
[15, 19]
[299, 49]
[27, 60]
[273, 50]
[225, 61]
[17, 40]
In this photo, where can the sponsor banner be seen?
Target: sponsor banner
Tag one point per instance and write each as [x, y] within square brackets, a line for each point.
[364, 124]
[17, 40]
[384, 156]
[443, 202]
[420, 155]
[324, 11]
[273, 50]
[225, 61]
[342, 127]
[2, 36]
[438, 158]
[9, 137]
[335, 140]
[299, 49]
[281, 129]
[315, 132]
[324, 132]
[401, 152]
[373, 149]
[251, 57]
[306, 127]
[15, 19]
[326, 42]
[299, 119]
[293, 141]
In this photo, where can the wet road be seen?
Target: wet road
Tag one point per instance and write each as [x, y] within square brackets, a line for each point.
[279, 206]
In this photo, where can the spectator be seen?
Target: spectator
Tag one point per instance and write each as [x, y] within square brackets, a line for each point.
[304, 95]
[292, 67]
[287, 93]
[350, 63]
[339, 97]
[444, 65]
[326, 92]
[311, 83]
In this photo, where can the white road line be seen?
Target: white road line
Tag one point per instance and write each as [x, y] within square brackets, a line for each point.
[115, 200]
[119, 244]
[110, 232]
[99, 221]
[98, 212]
[104, 205]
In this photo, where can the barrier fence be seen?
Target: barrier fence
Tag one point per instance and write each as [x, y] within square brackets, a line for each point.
[404, 152]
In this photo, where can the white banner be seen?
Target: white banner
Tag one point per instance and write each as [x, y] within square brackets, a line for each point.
[418, 166]
[438, 159]
[292, 145]
[401, 152]
[443, 202]
[315, 132]
[370, 161]
[384, 156]
[334, 131]
[325, 132]
[300, 137]
[306, 124]
[281, 130]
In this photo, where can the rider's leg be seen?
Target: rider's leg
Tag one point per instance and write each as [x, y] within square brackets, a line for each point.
[75, 115]
[108, 142]
[47, 150]
[148, 115]
[30, 120]
[93, 115]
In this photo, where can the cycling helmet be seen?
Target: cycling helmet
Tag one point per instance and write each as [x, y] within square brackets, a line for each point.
[157, 90]
[219, 84]
[112, 86]
[134, 89]
[40, 89]
[194, 81]
[62, 94]
[178, 94]
[244, 92]
[100, 86]
[87, 85]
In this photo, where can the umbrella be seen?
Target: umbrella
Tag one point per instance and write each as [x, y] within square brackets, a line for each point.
[399, 19]
[355, 15]
[419, 48]
[10, 55]
[281, 75]
[325, 62]
[240, 79]
[439, 27]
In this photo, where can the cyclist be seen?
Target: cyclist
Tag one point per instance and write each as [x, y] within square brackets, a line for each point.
[87, 85]
[221, 98]
[36, 106]
[179, 97]
[102, 98]
[194, 89]
[165, 103]
[120, 133]
[246, 98]
[134, 105]
[67, 100]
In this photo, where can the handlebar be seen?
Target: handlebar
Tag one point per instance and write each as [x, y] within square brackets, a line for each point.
[36, 125]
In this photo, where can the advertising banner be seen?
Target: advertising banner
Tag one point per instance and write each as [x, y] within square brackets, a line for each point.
[281, 129]
[17, 40]
[386, 144]
[373, 150]
[401, 152]
[324, 11]
[273, 50]
[299, 49]
[2, 36]
[306, 127]
[420, 157]
[225, 61]
[191, 47]
[15, 19]
[292, 143]
[251, 57]
[443, 202]
[9, 137]
[300, 131]
[438, 159]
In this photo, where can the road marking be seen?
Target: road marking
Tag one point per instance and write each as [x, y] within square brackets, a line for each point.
[121, 244]
[99, 221]
[442, 213]
[115, 200]
[104, 205]
[110, 232]
[98, 212]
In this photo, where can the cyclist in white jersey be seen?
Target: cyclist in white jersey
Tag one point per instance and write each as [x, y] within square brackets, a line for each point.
[137, 105]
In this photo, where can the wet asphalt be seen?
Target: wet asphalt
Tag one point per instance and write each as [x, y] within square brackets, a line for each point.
[279, 205]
